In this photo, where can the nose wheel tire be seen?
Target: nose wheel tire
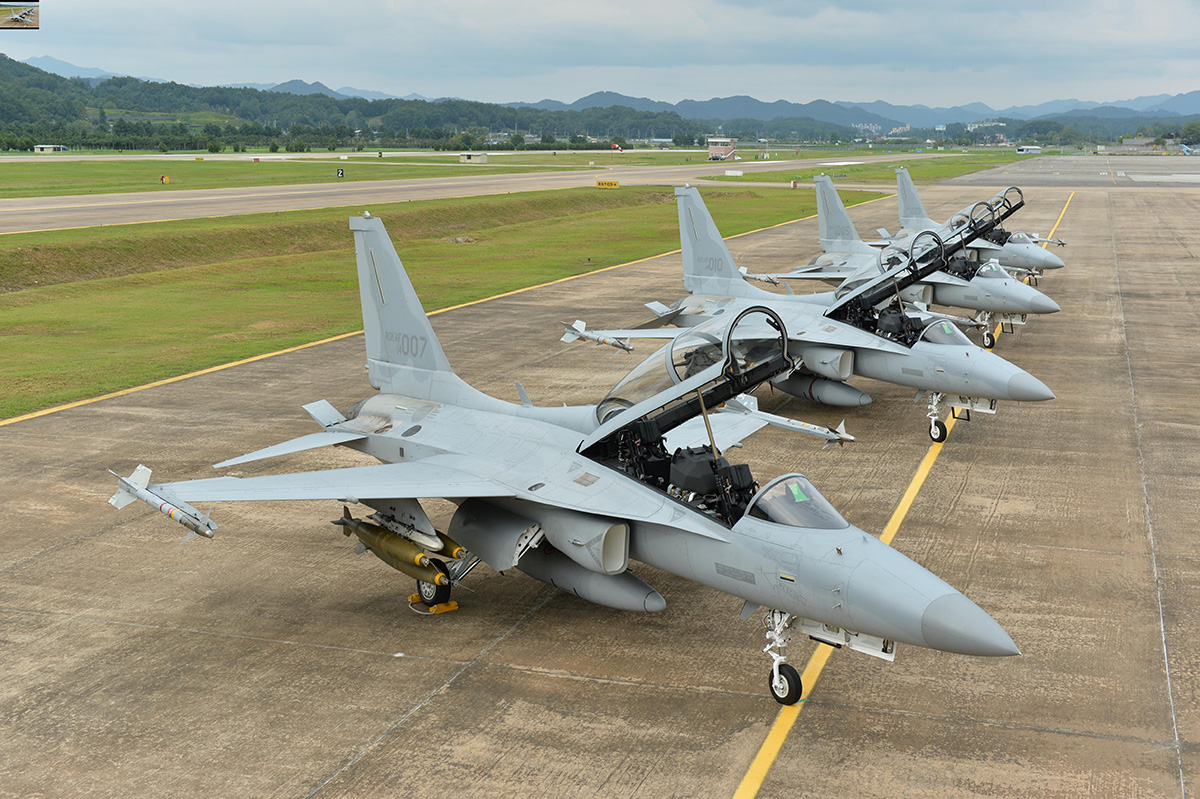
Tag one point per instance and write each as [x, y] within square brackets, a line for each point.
[989, 339]
[430, 593]
[786, 687]
[937, 431]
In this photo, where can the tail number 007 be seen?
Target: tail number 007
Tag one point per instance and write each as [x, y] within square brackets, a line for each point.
[409, 345]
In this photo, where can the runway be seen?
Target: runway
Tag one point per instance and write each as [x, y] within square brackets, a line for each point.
[20, 215]
[273, 661]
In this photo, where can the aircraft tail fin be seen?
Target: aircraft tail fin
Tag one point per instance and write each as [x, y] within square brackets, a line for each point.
[399, 338]
[912, 210]
[837, 232]
[708, 266]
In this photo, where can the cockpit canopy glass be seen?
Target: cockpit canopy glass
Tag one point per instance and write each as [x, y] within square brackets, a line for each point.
[992, 270]
[943, 332]
[793, 501]
[1017, 237]
[690, 353]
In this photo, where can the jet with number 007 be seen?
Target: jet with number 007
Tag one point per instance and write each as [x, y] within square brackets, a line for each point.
[837, 335]
[573, 496]
[848, 261]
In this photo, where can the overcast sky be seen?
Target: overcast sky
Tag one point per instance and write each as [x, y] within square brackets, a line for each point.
[931, 52]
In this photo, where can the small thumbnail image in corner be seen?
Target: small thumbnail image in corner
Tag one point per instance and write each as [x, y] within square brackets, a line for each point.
[19, 16]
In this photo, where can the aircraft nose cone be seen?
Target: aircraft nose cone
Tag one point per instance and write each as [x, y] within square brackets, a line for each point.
[1051, 261]
[953, 623]
[1024, 387]
[1043, 304]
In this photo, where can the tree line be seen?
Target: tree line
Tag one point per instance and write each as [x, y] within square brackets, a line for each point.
[37, 107]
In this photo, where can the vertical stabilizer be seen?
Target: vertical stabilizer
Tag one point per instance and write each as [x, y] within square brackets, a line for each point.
[837, 232]
[397, 331]
[912, 210]
[708, 267]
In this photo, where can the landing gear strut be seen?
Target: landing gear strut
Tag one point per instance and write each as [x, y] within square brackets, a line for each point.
[989, 339]
[937, 428]
[784, 680]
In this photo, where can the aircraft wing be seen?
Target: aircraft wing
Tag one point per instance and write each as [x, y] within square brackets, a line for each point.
[825, 273]
[580, 485]
[412, 480]
[737, 420]
[945, 279]
[983, 244]
[728, 429]
[311, 441]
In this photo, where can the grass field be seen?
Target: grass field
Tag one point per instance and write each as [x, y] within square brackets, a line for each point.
[923, 170]
[52, 178]
[139, 303]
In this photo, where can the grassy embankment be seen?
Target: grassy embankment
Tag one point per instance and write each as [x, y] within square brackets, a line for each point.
[87, 312]
[923, 170]
[53, 178]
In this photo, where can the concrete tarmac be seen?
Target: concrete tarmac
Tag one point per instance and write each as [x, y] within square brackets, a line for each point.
[273, 661]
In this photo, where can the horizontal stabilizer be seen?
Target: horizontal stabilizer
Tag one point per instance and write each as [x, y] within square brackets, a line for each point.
[312, 441]
[658, 308]
[325, 414]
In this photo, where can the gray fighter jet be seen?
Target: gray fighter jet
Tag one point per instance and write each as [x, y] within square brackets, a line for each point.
[572, 495]
[861, 331]
[986, 288]
[1014, 250]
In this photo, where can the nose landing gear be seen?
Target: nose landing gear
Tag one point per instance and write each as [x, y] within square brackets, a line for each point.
[783, 681]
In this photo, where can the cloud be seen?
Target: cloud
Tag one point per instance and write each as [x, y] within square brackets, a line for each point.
[933, 52]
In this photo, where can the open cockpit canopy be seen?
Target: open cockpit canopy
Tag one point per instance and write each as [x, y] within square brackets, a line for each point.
[756, 336]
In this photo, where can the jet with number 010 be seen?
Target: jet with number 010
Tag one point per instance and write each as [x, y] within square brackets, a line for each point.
[848, 261]
[837, 335]
[573, 495]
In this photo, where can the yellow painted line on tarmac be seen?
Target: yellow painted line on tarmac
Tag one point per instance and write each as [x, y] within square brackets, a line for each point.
[222, 367]
[757, 773]
[1049, 235]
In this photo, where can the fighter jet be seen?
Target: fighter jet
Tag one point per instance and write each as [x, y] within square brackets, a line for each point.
[1015, 250]
[848, 261]
[860, 331]
[20, 16]
[572, 495]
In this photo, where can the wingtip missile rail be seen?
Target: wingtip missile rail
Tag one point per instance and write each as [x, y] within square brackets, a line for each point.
[761, 278]
[579, 330]
[137, 486]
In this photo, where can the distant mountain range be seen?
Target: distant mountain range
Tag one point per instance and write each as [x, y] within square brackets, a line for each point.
[882, 113]
[743, 108]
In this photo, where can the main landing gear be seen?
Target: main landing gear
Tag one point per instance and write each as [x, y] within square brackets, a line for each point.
[784, 680]
[434, 598]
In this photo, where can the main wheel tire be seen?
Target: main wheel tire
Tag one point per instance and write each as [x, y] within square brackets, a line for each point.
[937, 431]
[787, 688]
[989, 339]
[431, 593]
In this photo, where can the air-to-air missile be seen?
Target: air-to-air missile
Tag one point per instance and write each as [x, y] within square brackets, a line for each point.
[393, 549]
[579, 330]
[134, 487]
